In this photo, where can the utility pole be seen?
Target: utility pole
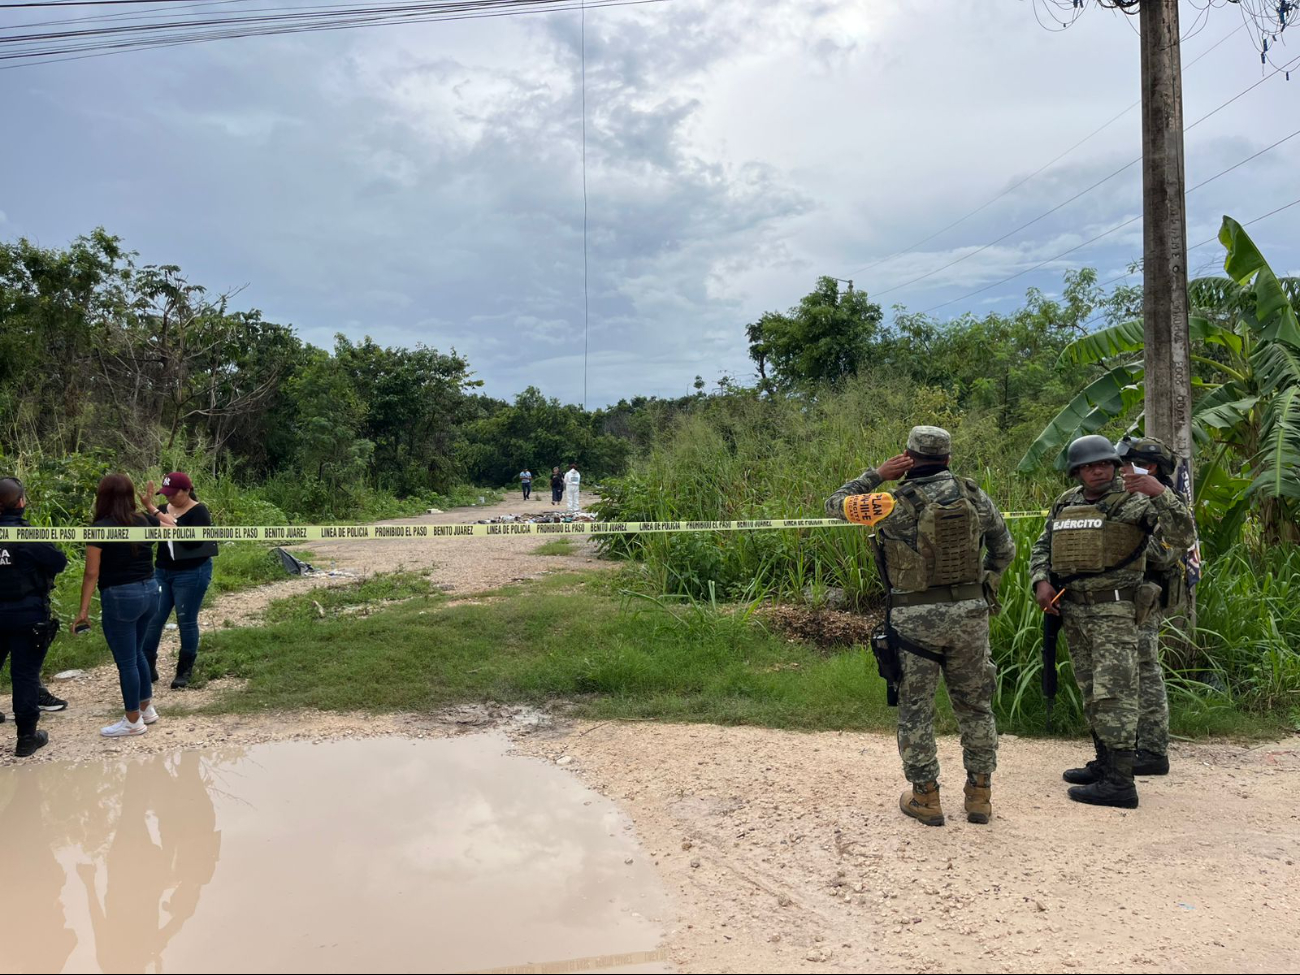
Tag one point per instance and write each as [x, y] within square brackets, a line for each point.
[1164, 232]
[1167, 356]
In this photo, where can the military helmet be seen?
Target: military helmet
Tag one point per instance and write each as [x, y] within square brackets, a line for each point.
[1090, 450]
[1146, 452]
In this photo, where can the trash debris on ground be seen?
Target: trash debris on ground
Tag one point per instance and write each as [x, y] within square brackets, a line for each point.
[541, 518]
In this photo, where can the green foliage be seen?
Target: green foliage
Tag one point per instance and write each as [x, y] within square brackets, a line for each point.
[1247, 411]
[538, 433]
[742, 458]
[826, 338]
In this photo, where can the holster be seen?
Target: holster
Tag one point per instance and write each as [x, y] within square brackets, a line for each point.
[888, 663]
[43, 635]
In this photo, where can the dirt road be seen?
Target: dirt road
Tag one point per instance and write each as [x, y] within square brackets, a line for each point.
[787, 853]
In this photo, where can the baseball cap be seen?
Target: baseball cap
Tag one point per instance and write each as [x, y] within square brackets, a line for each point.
[176, 481]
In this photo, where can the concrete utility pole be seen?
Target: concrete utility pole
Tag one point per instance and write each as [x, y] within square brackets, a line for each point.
[1164, 231]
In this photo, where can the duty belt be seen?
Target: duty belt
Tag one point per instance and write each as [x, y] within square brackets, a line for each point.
[939, 594]
[1101, 596]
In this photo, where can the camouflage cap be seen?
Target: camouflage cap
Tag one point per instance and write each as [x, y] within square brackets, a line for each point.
[933, 442]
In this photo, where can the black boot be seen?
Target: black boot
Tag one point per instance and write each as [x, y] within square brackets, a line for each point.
[184, 673]
[27, 744]
[1150, 763]
[153, 668]
[1114, 788]
[1091, 772]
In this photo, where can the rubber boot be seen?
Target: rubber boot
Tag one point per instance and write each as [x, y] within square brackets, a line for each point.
[922, 803]
[1150, 763]
[1091, 772]
[184, 673]
[979, 797]
[27, 744]
[1114, 788]
[153, 666]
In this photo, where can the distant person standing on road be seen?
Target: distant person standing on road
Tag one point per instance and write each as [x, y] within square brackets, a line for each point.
[572, 481]
[526, 479]
[557, 486]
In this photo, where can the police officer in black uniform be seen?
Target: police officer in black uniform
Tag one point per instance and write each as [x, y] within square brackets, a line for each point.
[27, 572]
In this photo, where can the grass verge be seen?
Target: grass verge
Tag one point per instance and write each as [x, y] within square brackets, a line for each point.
[571, 637]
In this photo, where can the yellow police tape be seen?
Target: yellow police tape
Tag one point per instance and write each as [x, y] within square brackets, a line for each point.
[290, 534]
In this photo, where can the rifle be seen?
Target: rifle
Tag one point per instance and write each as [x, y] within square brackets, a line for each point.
[883, 646]
[1051, 631]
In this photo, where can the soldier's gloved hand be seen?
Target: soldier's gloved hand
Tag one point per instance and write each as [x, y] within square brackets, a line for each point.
[895, 467]
[1045, 593]
[1135, 483]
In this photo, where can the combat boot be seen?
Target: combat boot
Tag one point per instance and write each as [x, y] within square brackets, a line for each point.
[922, 803]
[1091, 772]
[979, 797]
[1150, 763]
[1114, 788]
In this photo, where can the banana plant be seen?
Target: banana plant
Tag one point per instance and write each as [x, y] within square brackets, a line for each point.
[1246, 413]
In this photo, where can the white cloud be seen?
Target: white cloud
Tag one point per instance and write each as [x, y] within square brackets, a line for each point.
[423, 183]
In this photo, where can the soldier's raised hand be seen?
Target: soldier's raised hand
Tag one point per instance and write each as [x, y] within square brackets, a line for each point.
[895, 467]
[1135, 483]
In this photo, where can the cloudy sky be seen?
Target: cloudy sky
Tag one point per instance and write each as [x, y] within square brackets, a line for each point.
[422, 183]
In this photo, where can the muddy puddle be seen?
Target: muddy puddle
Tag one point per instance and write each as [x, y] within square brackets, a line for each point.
[381, 855]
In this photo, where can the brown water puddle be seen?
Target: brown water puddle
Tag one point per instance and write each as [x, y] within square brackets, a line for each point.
[382, 855]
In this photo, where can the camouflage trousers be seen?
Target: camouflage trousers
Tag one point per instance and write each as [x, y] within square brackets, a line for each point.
[962, 629]
[1153, 703]
[1104, 651]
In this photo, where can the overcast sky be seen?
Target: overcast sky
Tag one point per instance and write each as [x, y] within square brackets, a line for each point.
[423, 183]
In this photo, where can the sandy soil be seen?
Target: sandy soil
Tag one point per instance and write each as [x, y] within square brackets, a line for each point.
[787, 853]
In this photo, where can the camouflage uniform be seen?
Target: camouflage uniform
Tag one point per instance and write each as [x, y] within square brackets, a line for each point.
[1164, 566]
[1103, 635]
[960, 629]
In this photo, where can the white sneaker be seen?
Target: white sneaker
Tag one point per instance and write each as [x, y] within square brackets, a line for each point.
[149, 715]
[124, 729]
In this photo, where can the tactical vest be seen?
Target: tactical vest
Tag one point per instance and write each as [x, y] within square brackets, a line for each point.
[1087, 541]
[948, 536]
[17, 581]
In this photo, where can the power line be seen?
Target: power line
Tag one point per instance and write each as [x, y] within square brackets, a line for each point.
[1051, 162]
[1117, 227]
[1105, 179]
[45, 47]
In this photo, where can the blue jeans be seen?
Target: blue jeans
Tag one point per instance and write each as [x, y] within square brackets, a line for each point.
[126, 612]
[183, 590]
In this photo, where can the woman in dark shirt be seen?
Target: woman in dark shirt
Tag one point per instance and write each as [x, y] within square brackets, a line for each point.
[557, 486]
[128, 597]
[184, 572]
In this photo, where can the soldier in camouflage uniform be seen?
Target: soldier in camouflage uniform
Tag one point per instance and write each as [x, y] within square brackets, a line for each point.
[1089, 566]
[937, 584]
[1166, 569]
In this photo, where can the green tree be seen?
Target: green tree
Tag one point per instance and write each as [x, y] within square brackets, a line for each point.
[827, 337]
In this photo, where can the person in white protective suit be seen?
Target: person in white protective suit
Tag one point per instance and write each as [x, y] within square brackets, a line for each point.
[571, 482]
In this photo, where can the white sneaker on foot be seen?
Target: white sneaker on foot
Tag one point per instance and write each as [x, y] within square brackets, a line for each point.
[149, 715]
[124, 729]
